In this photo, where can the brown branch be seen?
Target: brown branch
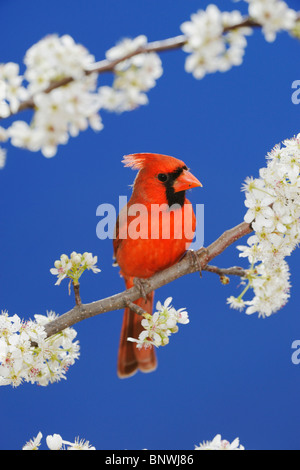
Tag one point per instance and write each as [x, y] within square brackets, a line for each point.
[123, 299]
[104, 66]
[76, 288]
[234, 271]
[136, 308]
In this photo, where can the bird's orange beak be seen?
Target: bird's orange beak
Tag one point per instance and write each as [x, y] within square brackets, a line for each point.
[186, 181]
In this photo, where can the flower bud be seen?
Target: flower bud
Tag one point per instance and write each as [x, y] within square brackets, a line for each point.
[224, 280]
[76, 259]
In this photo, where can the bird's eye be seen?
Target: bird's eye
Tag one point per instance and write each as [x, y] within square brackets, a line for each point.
[162, 177]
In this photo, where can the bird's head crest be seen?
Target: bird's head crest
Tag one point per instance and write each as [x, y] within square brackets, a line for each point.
[136, 161]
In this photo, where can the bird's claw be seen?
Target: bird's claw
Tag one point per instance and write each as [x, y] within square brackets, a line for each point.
[141, 284]
[195, 258]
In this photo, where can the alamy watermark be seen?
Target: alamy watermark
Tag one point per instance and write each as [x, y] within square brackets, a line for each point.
[156, 221]
[296, 93]
[296, 354]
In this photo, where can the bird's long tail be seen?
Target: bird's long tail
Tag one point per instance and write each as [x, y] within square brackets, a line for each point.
[130, 358]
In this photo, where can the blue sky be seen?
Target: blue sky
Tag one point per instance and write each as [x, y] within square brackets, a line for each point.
[225, 372]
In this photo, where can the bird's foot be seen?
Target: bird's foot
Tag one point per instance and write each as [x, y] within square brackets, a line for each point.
[142, 285]
[194, 256]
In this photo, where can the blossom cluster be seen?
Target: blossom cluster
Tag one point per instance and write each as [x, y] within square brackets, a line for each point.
[73, 267]
[56, 442]
[133, 76]
[64, 111]
[12, 91]
[58, 113]
[220, 444]
[273, 203]
[213, 42]
[159, 326]
[216, 40]
[273, 15]
[27, 355]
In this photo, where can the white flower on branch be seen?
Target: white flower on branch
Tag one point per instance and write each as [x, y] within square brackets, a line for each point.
[236, 302]
[27, 355]
[126, 47]
[34, 443]
[65, 112]
[271, 287]
[56, 442]
[54, 58]
[211, 48]
[74, 266]
[60, 113]
[220, 444]
[273, 202]
[2, 157]
[273, 15]
[159, 326]
[25, 136]
[133, 76]
[12, 93]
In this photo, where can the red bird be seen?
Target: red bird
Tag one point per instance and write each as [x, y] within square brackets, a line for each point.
[145, 244]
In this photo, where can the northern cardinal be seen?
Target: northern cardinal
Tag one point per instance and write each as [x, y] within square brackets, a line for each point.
[142, 248]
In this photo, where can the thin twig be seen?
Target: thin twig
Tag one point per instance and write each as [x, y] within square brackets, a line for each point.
[77, 294]
[234, 271]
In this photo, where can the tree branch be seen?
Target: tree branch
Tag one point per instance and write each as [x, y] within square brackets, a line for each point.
[119, 301]
[136, 308]
[76, 288]
[104, 66]
[234, 271]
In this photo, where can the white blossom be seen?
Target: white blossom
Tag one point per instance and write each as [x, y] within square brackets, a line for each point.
[126, 47]
[53, 58]
[2, 157]
[210, 45]
[24, 136]
[74, 266]
[12, 91]
[34, 443]
[60, 113]
[27, 355]
[273, 15]
[133, 76]
[64, 112]
[236, 302]
[3, 134]
[56, 442]
[273, 203]
[79, 444]
[159, 326]
[220, 444]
